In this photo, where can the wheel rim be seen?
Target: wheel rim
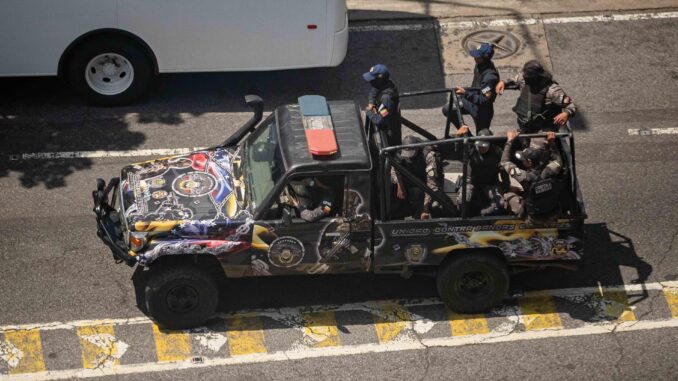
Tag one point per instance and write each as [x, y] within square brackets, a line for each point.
[182, 299]
[474, 285]
[109, 74]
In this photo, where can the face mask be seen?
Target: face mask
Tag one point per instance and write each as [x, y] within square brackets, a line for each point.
[378, 83]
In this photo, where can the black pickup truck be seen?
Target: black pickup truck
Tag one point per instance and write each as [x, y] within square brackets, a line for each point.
[223, 212]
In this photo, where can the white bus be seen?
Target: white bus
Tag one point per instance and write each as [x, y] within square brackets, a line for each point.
[109, 50]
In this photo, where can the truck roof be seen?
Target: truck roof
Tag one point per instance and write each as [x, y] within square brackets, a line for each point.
[352, 151]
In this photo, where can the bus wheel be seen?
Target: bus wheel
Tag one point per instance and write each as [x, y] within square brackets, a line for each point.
[472, 283]
[180, 297]
[110, 72]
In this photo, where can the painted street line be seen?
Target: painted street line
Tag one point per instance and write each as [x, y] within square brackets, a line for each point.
[515, 22]
[653, 131]
[330, 351]
[314, 331]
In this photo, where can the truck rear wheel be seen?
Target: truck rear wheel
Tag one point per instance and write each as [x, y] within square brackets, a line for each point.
[472, 283]
[109, 71]
[181, 297]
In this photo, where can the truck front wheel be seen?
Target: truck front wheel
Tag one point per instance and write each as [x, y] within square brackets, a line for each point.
[181, 297]
[472, 283]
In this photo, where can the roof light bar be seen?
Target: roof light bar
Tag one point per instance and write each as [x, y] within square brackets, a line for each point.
[318, 125]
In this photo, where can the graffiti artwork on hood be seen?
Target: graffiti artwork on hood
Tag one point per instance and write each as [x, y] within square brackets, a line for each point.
[199, 186]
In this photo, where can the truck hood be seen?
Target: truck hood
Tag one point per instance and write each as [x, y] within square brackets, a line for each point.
[202, 185]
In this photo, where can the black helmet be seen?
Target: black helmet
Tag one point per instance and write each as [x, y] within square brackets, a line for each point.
[484, 143]
[410, 153]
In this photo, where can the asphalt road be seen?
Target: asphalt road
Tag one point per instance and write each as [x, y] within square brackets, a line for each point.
[622, 74]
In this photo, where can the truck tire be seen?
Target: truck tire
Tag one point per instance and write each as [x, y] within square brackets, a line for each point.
[472, 283]
[109, 71]
[181, 297]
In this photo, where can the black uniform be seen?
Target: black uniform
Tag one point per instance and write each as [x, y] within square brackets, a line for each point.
[387, 117]
[479, 103]
[313, 202]
[426, 167]
[541, 190]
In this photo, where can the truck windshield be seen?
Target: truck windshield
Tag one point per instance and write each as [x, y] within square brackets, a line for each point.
[263, 165]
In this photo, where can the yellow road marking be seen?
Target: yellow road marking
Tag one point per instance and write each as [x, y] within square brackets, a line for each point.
[390, 320]
[539, 312]
[97, 353]
[171, 345]
[671, 295]
[29, 344]
[464, 325]
[245, 335]
[321, 329]
[618, 307]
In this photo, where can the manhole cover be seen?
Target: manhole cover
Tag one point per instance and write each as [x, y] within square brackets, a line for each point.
[505, 43]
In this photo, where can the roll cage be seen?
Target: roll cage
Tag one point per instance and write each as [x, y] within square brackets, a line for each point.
[386, 155]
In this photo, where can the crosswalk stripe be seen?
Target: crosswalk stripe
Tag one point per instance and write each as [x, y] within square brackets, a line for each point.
[390, 320]
[618, 306]
[671, 295]
[29, 355]
[464, 325]
[171, 345]
[245, 335]
[321, 329]
[99, 346]
[539, 312]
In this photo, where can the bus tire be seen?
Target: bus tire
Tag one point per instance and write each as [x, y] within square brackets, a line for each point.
[180, 297]
[472, 283]
[109, 71]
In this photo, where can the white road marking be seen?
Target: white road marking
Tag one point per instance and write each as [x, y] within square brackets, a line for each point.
[281, 314]
[113, 348]
[209, 339]
[10, 354]
[653, 131]
[516, 21]
[297, 354]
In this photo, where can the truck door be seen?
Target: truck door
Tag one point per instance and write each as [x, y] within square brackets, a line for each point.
[283, 243]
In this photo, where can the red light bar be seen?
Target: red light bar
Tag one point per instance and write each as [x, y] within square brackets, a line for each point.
[318, 126]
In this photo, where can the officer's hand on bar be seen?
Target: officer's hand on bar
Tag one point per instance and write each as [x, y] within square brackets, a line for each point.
[462, 130]
[550, 137]
[459, 90]
[425, 216]
[499, 89]
[561, 118]
[510, 135]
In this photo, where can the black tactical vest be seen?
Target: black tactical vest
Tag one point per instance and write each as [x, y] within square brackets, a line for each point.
[542, 197]
[484, 168]
[480, 72]
[533, 115]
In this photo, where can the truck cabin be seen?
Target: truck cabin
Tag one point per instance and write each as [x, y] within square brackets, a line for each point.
[280, 154]
[450, 200]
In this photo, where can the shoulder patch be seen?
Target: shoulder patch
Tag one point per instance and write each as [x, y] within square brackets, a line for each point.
[383, 112]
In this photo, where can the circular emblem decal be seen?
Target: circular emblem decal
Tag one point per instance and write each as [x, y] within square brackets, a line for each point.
[157, 182]
[286, 252]
[415, 253]
[158, 195]
[194, 184]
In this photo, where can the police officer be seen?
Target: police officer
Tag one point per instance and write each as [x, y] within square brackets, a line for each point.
[425, 165]
[539, 196]
[482, 179]
[542, 104]
[383, 103]
[312, 198]
[479, 102]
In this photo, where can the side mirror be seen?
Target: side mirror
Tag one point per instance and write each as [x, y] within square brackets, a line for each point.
[286, 216]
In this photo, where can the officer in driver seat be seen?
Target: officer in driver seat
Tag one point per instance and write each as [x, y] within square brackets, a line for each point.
[312, 198]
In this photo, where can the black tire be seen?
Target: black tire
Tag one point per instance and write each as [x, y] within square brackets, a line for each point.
[181, 297]
[472, 283]
[132, 52]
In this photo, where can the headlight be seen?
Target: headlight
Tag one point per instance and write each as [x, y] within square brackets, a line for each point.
[137, 241]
